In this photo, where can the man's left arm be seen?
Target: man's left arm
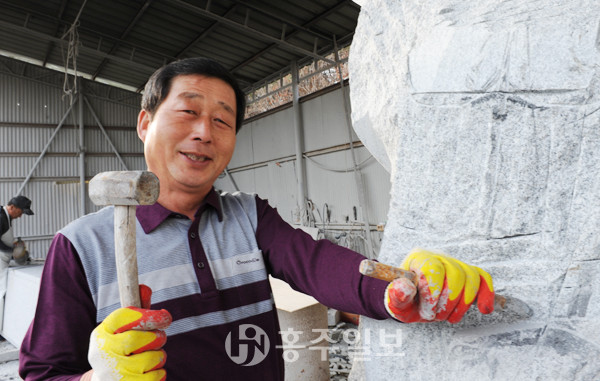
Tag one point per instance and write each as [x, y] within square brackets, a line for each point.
[445, 289]
[326, 271]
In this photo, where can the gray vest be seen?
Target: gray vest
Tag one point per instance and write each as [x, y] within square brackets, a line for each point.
[165, 261]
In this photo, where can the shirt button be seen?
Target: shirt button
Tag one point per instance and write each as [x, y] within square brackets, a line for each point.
[200, 265]
[193, 235]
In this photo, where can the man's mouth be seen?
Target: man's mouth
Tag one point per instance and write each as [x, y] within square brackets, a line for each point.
[198, 158]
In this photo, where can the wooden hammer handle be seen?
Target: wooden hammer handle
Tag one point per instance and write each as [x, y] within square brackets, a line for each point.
[389, 273]
[125, 256]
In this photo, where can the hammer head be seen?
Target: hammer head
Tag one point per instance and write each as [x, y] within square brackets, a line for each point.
[124, 188]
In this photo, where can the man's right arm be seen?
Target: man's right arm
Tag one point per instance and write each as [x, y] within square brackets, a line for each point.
[56, 344]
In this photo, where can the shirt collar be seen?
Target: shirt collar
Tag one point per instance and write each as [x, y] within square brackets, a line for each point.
[151, 216]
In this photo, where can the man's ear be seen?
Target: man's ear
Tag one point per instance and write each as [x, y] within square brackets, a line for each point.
[142, 124]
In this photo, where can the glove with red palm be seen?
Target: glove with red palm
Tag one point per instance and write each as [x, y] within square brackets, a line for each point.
[446, 289]
[127, 344]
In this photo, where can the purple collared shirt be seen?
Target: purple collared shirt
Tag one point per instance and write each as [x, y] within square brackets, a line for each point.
[56, 344]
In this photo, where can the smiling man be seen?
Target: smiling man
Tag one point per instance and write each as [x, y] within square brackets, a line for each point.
[206, 257]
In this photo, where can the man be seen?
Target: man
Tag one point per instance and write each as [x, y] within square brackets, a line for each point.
[206, 258]
[15, 208]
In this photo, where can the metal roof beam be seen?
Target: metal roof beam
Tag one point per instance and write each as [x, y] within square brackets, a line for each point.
[203, 35]
[245, 28]
[91, 32]
[330, 11]
[63, 6]
[7, 68]
[123, 36]
[43, 36]
[309, 22]
[287, 22]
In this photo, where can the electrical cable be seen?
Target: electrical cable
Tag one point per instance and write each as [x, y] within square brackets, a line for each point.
[359, 166]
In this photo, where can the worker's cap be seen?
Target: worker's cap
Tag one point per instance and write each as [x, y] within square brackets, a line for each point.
[22, 203]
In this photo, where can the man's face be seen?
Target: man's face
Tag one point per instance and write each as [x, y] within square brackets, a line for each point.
[14, 211]
[190, 139]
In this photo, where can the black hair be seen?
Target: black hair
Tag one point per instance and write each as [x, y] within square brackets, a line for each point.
[158, 86]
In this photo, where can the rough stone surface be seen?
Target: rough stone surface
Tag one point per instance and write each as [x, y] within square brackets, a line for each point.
[487, 115]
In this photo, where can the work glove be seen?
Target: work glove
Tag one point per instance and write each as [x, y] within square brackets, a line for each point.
[127, 344]
[446, 289]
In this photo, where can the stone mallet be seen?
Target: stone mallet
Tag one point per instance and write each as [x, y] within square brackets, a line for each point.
[125, 190]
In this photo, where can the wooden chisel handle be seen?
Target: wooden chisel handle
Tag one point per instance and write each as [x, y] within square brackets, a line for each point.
[389, 273]
[385, 272]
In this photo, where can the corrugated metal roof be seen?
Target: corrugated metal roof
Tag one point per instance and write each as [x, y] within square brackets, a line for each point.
[125, 41]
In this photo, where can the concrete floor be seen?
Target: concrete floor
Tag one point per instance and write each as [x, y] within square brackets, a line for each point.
[9, 363]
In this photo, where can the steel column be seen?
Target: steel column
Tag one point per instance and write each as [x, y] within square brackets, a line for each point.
[108, 140]
[299, 136]
[82, 190]
[39, 159]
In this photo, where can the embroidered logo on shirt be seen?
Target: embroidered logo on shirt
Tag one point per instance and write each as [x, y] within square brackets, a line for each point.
[239, 262]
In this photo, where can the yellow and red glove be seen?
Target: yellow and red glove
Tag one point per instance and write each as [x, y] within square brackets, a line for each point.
[446, 289]
[127, 344]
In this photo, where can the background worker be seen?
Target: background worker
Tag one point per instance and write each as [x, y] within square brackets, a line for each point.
[207, 256]
[14, 209]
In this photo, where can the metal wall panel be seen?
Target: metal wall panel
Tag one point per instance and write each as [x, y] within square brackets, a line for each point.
[270, 137]
[52, 166]
[245, 181]
[27, 101]
[111, 113]
[280, 188]
[244, 152]
[38, 247]
[17, 168]
[34, 139]
[95, 164]
[125, 141]
[324, 121]
[30, 111]
[275, 182]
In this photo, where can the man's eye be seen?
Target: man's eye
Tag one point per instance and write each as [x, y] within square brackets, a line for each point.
[192, 112]
[221, 121]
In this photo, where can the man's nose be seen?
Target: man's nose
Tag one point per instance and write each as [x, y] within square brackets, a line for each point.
[202, 129]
